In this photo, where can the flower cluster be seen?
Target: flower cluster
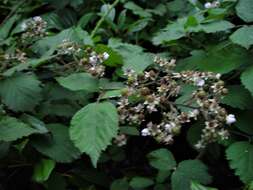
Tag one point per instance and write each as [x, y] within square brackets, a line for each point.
[34, 28]
[19, 56]
[94, 62]
[149, 102]
[68, 47]
[214, 4]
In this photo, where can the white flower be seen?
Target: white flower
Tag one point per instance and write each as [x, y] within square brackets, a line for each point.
[23, 26]
[168, 127]
[230, 119]
[200, 82]
[145, 132]
[37, 19]
[208, 5]
[106, 55]
[93, 59]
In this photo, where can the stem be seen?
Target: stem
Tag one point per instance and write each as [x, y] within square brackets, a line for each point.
[100, 22]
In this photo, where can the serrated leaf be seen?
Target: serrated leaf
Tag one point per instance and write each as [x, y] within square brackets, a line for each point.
[141, 182]
[187, 171]
[6, 27]
[244, 10]
[93, 127]
[58, 145]
[21, 92]
[238, 97]
[162, 159]
[42, 170]
[13, 129]
[79, 81]
[247, 78]
[240, 156]
[243, 36]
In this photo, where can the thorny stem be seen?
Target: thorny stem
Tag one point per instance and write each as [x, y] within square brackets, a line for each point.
[100, 22]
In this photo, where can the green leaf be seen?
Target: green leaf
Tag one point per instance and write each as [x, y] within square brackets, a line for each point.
[172, 32]
[21, 92]
[137, 9]
[58, 145]
[162, 159]
[42, 170]
[243, 36]
[105, 9]
[217, 26]
[187, 171]
[6, 27]
[197, 186]
[13, 129]
[244, 10]
[162, 175]
[238, 97]
[93, 127]
[133, 56]
[79, 81]
[247, 78]
[132, 131]
[119, 184]
[240, 156]
[223, 59]
[141, 182]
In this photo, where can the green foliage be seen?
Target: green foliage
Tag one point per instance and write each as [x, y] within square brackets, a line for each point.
[187, 171]
[13, 129]
[21, 92]
[61, 121]
[162, 159]
[243, 36]
[57, 146]
[93, 127]
[243, 10]
[79, 81]
[246, 78]
[140, 182]
[42, 170]
[240, 156]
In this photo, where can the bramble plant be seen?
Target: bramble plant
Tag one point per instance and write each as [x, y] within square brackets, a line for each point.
[126, 95]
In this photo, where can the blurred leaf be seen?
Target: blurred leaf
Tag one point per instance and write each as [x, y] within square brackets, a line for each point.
[243, 36]
[6, 27]
[141, 182]
[43, 169]
[244, 10]
[105, 9]
[247, 78]
[197, 186]
[119, 184]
